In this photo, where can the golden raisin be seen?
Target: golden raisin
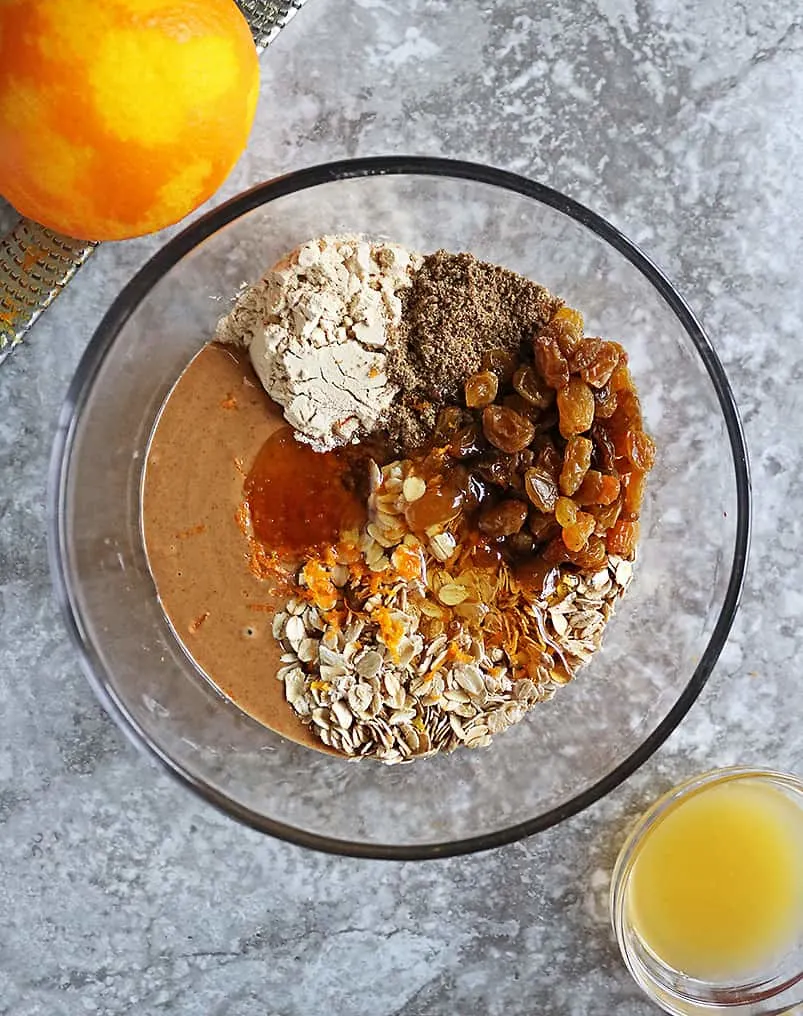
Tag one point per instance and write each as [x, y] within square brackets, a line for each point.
[633, 487]
[576, 535]
[576, 407]
[606, 516]
[572, 317]
[476, 491]
[551, 362]
[548, 458]
[532, 387]
[620, 380]
[609, 490]
[481, 389]
[556, 551]
[541, 489]
[522, 406]
[604, 452]
[605, 402]
[597, 488]
[543, 527]
[598, 370]
[631, 407]
[503, 362]
[496, 467]
[584, 353]
[506, 429]
[593, 556]
[576, 460]
[503, 519]
[449, 421]
[640, 450]
[627, 418]
[567, 328]
[622, 537]
[521, 544]
[565, 512]
[466, 442]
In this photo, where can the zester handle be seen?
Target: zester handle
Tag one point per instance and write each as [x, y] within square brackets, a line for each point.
[36, 263]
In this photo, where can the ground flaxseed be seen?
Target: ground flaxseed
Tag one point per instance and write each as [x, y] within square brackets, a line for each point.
[456, 309]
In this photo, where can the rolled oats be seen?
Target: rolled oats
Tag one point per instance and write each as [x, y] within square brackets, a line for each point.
[371, 684]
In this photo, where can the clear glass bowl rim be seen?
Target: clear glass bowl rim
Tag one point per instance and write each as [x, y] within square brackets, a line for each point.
[137, 290]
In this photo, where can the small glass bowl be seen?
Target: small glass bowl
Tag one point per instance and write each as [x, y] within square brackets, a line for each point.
[765, 993]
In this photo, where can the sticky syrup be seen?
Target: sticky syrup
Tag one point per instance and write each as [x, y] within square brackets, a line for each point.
[300, 499]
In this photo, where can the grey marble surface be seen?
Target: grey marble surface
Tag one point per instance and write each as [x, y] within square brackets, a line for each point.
[679, 120]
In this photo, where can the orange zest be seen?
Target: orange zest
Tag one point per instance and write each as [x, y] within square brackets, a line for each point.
[391, 629]
[318, 581]
[408, 562]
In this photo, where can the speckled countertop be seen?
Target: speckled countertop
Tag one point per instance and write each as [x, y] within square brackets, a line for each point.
[680, 121]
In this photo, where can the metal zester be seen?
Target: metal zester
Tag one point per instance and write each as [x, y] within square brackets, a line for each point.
[36, 263]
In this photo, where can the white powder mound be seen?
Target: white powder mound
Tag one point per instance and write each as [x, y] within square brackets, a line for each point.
[317, 326]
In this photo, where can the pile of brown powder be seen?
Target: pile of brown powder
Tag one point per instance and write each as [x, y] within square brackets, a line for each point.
[456, 309]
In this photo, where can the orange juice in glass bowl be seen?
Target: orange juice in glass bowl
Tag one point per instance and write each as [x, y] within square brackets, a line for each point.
[707, 895]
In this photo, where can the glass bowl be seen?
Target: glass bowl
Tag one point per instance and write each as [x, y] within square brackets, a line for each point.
[774, 988]
[659, 648]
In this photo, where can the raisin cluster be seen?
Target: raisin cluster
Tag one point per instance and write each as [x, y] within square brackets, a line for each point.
[550, 452]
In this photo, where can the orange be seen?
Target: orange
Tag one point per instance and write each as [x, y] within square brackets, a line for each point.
[118, 117]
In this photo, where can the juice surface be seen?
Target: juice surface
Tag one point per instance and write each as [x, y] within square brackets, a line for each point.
[717, 887]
